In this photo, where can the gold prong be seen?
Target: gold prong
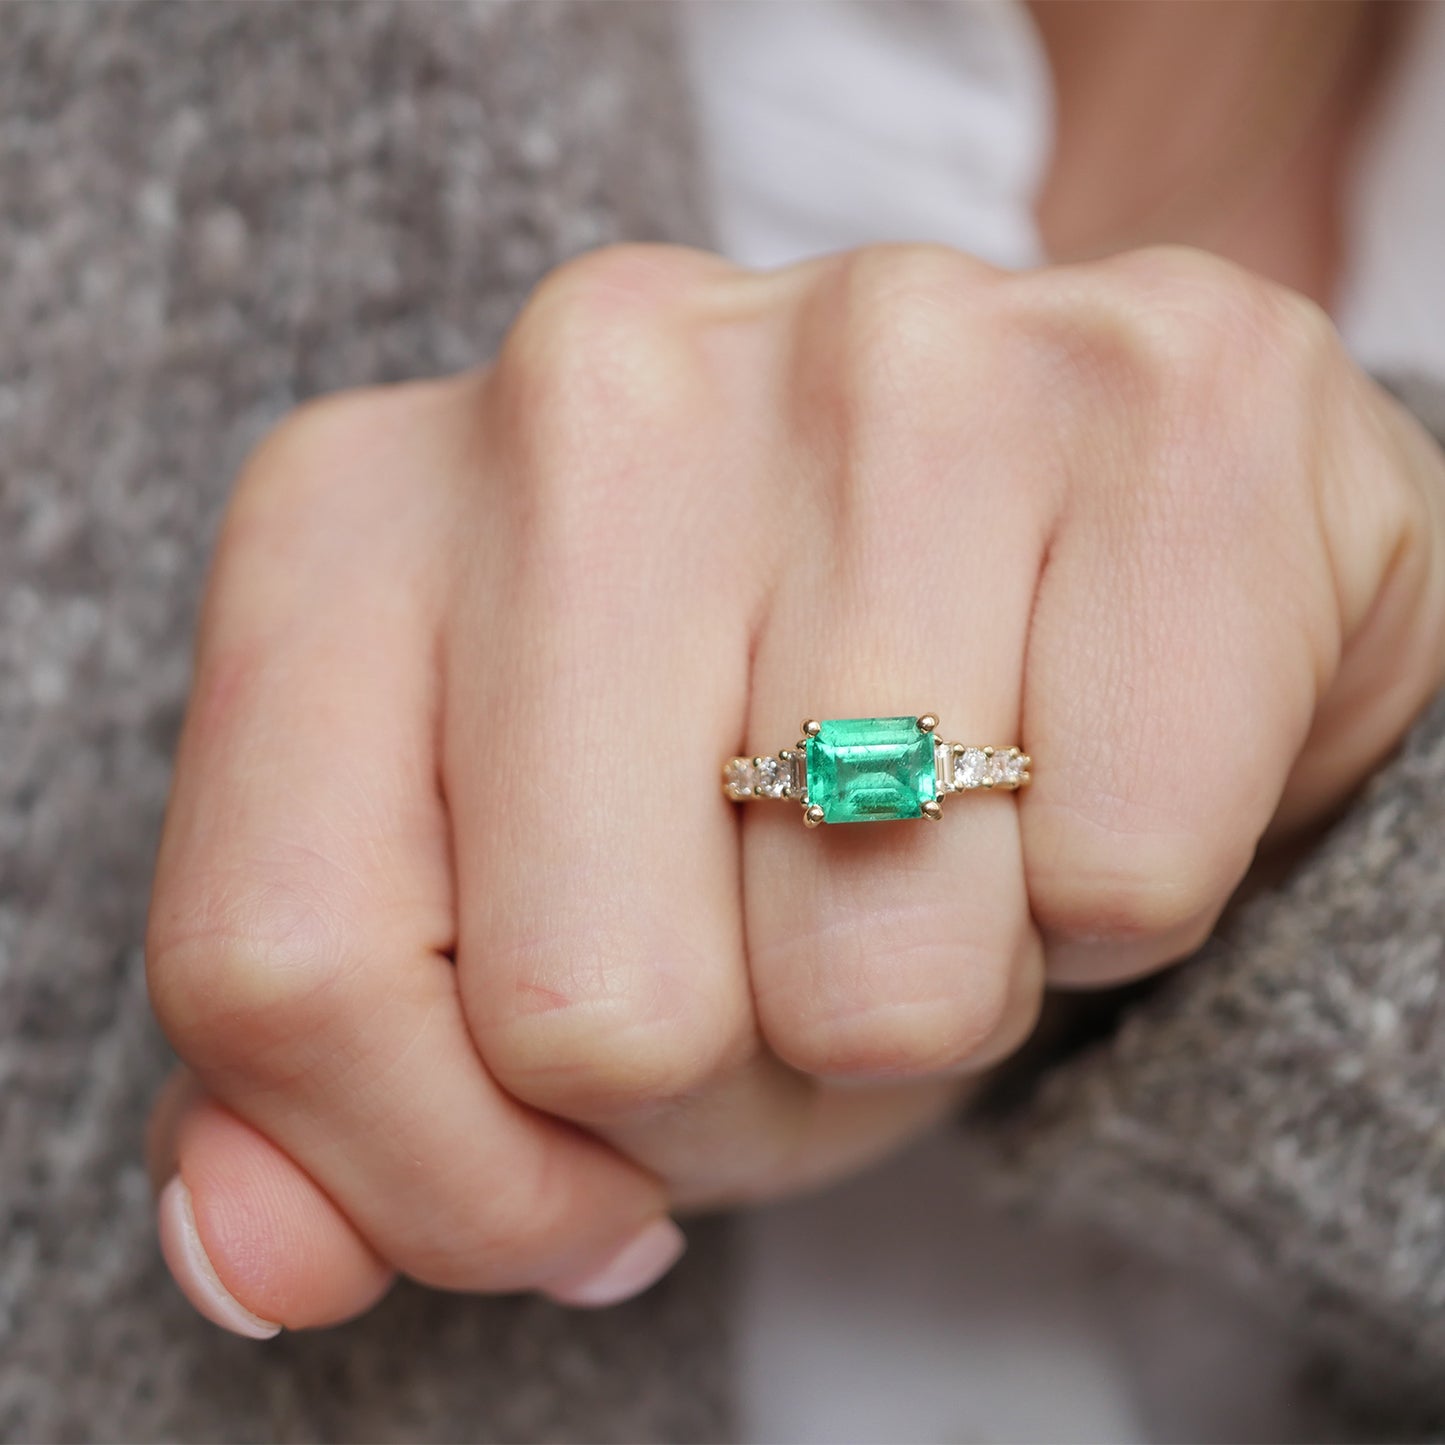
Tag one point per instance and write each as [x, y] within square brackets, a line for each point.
[811, 727]
[959, 749]
[933, 810]
[812, 816]
[988, 752]
[927, 723]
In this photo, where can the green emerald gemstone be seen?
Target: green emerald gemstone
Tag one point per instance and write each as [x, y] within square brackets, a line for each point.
[869, 769]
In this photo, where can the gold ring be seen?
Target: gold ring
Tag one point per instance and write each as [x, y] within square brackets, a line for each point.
[874, 769]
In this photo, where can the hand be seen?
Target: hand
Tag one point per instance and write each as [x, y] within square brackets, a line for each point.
[477, 973]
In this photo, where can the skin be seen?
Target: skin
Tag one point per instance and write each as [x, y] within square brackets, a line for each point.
[476, 975]
[1250, 112]
[484, 1029]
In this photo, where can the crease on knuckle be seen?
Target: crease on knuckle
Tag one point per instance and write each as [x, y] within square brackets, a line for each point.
[878, 395]
[905, 311]
[252, 984]
[1136, 888]
[601, 398]
[1212, 325]
[853, 1014]
[604, 1041]
[603, 348]
[1164, 327]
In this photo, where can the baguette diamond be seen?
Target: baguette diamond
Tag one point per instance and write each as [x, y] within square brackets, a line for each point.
[970, 769]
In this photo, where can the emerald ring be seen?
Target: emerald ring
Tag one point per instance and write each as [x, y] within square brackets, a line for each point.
[873, 769]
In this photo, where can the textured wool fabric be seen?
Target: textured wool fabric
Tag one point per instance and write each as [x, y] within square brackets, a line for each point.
[214, 211]
[209, 213]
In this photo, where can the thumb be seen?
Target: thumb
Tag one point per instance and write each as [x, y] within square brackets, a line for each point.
[249, 1237]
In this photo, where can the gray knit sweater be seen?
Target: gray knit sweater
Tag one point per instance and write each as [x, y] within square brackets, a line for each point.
[211, 212]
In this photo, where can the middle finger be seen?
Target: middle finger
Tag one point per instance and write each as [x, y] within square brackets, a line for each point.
[596, 672]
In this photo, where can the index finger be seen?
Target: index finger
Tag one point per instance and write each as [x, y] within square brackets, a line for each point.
[302, 920]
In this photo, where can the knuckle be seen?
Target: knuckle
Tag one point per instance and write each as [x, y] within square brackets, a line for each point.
[336, 461]
[605, 330]
[880, 1026]
[1191, 298]
[1151, 325]
[1162, 356]
[905, 309]
[252, 986]
[231, 1003]
[901, 1041]
[1136, 892]
[635, 280]
[884, 336]
[316, 445]
[1214, 326]
[601, 391]
[599, 1065]
[1299, 329]
[609, 1044]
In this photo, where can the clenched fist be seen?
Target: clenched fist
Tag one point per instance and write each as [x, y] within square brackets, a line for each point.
[477, 974]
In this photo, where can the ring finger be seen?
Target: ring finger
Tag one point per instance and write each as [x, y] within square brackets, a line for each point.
[907, 950]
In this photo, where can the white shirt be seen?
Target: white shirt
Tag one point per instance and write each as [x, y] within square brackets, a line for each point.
[894, 1308]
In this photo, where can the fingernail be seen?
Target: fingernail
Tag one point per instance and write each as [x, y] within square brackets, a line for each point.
[192, 1268]
[641, 1262]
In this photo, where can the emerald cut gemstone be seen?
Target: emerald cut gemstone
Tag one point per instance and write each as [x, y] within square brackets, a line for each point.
[869, 769]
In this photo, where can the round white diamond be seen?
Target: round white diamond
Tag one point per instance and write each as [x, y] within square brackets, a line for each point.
[971, 769]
